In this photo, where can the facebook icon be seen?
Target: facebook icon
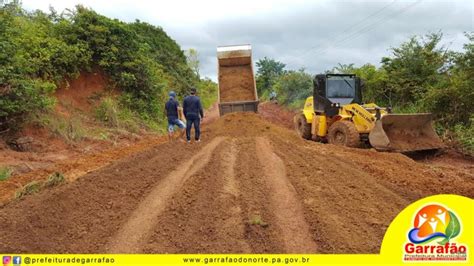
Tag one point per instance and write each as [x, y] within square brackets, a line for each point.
[16, 260]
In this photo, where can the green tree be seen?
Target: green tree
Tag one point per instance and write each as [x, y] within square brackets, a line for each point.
[293, 87]
[268, 71]
[374, 79]
[192, 57]
[452, 99]
[343, 69]
[414, 67]
[41, 51]
[375, 84]
[207, 90]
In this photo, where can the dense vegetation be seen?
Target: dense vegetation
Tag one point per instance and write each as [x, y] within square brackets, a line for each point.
[41, 51]
[418, 76]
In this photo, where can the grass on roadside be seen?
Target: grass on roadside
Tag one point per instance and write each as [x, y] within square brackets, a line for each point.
[55, 179]
[112, 114]
[5, 173]
[29, 189]
[33, 187]
[69, 128]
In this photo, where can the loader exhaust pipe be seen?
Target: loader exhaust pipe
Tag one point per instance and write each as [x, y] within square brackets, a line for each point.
[404, 133]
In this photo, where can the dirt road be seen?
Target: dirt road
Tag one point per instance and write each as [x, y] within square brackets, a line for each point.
[249, 187]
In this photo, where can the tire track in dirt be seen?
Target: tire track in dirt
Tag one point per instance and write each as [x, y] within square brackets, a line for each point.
[81, 217]
[228, 162]
[361, 179]
[285, 203]
[131, 236]
[347, 197]
[340, 199]
[205, 215]
[231, 193]
[261, 229]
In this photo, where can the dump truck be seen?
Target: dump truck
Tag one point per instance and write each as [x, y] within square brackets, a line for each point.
[335, 114]
[237, 90]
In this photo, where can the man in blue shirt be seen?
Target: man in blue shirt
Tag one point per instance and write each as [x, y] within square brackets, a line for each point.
[193, 112]
[171, 108]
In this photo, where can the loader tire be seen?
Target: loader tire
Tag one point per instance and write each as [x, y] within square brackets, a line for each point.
[302, 127]
[344, 133]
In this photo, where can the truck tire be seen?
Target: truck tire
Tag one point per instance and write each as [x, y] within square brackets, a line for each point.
[302, 127]
[344, 133]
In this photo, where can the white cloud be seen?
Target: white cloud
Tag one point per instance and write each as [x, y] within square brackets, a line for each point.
[312, 34]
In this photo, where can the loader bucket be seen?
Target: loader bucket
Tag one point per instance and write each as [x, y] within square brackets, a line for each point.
[404, 133]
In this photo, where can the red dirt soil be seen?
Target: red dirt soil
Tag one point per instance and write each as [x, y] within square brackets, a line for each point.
[223, 201]
[79, 93]
[50, 153]
[74, 166]
[277, 114]
[236, 83]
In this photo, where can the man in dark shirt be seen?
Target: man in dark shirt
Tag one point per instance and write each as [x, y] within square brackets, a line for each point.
[171, 108]
[193, 112]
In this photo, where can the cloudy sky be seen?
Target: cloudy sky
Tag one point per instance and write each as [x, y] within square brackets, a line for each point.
[315, 35]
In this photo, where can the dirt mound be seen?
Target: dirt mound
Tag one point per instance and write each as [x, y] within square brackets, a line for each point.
[236, 83]
[47, 145]
[247, 193]
[249, 125]
[277, 114]
[80, 93]
[44, 164]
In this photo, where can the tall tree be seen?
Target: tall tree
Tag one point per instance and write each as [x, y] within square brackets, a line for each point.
[343, 69]
[452, 100]
[293, 87]
[414, 67]
[192, 57]
[268, 70]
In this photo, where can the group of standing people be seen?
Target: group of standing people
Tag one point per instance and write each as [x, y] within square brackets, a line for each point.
[193, 112]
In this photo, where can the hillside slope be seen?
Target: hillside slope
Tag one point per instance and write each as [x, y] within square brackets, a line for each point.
[41, 52]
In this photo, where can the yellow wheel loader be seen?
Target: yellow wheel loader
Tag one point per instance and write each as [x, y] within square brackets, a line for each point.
[335, 114]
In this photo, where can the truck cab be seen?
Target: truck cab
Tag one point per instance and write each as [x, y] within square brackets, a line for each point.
[334, 90]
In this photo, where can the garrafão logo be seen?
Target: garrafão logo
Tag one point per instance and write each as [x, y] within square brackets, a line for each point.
[435, 223]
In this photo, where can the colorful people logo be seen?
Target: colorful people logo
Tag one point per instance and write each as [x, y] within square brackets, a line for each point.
[433, 222]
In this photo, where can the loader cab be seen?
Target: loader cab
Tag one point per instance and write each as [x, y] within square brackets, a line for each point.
[334, 90]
